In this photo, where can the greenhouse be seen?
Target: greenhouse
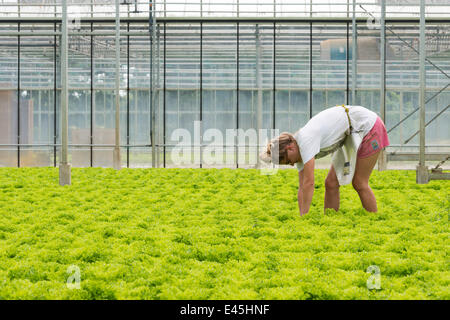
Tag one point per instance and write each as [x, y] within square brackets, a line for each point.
[150, 92]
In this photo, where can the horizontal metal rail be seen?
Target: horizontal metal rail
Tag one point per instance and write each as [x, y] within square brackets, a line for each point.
[204, 3]
[137, 146]
[72, 145]
[70, 33]
[219, 20]
[392, 155]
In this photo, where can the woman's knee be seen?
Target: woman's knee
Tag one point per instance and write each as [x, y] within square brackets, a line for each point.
[360, 185]
[331, 183]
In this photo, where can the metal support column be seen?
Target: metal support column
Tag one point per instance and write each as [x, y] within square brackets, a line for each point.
[274, 8]
[128, 96]
[116, 154]
[259, 92]
[347, 49]
[274, 77]
[422, 169]
[18, 96]
[55, 132]
[91, 116]
[382, 159]
[164, 95]
[158, 102]
[237, 94]
[64, 166]
[354, 53]
[201, 98]
[152, 23]
[310, 72]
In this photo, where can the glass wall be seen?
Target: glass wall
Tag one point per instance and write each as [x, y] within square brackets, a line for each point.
[216, 73]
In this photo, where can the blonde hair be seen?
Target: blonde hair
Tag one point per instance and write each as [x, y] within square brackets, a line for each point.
[276, 149]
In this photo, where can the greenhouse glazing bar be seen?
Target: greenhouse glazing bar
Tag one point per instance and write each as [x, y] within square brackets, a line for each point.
[195, 8]
[310, 72]
[259, 89]
[18, 97]
[152, 29]
[164, 100]
[128, 96]
[201, 96]
[237, 95]
[347, 48]
[354, 52]
[91, 117]
[382, 163]
[221, 20]
[55, 133]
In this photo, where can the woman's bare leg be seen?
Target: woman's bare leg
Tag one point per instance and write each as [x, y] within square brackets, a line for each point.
[331, 190]
[360, 181]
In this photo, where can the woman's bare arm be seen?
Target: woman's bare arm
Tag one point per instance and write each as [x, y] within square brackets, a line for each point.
[306, 188]
[300, 191]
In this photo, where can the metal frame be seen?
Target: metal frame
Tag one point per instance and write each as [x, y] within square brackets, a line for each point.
[237, 21]
[422, 173]
[160, 9]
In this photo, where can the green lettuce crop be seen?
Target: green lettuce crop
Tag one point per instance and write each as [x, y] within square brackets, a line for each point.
[217, 234]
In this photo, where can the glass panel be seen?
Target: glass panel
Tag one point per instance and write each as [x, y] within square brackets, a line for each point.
[37, 77]
[104, 127]
[182, 83]
[139, 99]
[219, 91]
[292, 76]
[329, 66]
[79, 127]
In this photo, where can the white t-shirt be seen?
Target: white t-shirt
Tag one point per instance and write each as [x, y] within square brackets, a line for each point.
[328, 128]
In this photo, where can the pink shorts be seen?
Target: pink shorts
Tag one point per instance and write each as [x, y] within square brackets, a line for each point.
[376, 140]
